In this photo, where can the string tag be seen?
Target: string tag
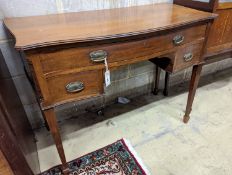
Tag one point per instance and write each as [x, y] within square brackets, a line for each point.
[107, 74]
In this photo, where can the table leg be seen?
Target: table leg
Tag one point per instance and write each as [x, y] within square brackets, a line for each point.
[157, 80]
[52, 123]
[166, 85]
[196, 73]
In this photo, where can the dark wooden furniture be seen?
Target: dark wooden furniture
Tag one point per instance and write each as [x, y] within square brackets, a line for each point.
[203, 5]
[219, 45]
[18, 151]
[4, 165]
[66, 52]
[220, 38]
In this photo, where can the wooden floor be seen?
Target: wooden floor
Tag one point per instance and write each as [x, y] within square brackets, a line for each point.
[4, 166]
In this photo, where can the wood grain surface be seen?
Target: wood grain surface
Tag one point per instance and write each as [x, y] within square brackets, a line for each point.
[225, 5]
[203, 5]
[17, 141]
[53, 61]
[4, 166]
[220, 38]
[56, 29]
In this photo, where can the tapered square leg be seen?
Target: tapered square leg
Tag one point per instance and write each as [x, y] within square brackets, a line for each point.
[157, 80]
[166, 85]
[196, 73]
[53, 126]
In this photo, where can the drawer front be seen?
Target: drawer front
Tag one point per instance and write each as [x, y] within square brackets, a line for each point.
[72, 58]
[187, 56]
[75, 86]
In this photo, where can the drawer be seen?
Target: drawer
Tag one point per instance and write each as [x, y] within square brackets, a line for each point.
[140, 49]
[75, 86]
[187, 56]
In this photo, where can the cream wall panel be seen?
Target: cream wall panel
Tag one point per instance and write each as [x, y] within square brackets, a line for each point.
[82, 5]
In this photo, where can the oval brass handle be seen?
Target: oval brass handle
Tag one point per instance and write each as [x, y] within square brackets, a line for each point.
[75, 87]
[98, 56]
[188, 57]
[178, 39]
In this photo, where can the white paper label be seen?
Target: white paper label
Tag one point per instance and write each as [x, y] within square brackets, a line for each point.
[107, 74]
[107, 78]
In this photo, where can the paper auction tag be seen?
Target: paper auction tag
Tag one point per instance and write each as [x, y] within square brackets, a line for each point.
[107, 74]
[107, 78]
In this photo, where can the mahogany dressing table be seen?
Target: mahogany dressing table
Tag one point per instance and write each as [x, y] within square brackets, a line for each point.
[66, 52]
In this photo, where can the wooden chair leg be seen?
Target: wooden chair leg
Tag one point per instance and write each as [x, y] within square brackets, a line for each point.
[157, 80]
[166, 85]
[196, 73]
[52, 123]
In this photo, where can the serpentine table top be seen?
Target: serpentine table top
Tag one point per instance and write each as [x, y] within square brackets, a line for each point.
[39, 31]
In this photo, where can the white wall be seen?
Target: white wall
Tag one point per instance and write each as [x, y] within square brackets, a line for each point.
[17, 8]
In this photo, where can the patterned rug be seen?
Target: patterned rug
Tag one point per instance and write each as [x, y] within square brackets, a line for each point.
[118, 158]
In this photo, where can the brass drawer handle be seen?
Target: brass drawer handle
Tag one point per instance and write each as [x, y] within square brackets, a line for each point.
[178, 39]
[188, 57]
[75, 87]
[98, 56]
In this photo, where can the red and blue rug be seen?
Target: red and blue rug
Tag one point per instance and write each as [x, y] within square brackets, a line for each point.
[119, 158]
